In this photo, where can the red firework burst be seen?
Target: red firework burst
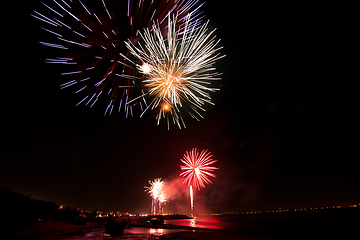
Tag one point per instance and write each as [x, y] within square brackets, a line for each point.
[197, 169]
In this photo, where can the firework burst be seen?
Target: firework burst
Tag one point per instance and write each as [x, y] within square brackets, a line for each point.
[90, 35]
[177, 70]
[157, 193]
[197, 171]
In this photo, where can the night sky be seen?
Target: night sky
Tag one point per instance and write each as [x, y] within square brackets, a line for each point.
[284, 129]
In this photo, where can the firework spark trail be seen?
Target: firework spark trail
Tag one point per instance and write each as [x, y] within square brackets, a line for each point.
[178, 69]
[90, 37]
[197, 170]
[192, 200]
[158, 196]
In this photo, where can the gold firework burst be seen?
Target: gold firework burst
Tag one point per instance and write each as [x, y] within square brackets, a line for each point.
[178, 69]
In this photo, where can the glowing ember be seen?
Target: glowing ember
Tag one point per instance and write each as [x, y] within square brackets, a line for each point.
[145, 68]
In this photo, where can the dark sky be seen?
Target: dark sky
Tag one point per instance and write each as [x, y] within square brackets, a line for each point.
[284, 128]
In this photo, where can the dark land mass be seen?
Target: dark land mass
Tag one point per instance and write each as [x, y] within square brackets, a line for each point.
[25, 218]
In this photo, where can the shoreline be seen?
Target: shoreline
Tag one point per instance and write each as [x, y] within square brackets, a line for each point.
[279, 229]
[64, 230]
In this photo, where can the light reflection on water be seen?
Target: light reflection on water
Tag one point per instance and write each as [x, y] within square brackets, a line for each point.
[153, 231]
[132, 232]
[200, 222]
[145, 233]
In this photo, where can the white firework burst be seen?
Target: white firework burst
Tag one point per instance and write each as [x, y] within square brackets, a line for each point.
[178, 69]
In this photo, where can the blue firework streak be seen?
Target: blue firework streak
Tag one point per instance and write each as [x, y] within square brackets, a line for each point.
[90, 37]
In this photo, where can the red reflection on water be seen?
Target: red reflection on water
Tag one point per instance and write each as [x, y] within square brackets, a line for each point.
[207, 222]
[200, 222]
